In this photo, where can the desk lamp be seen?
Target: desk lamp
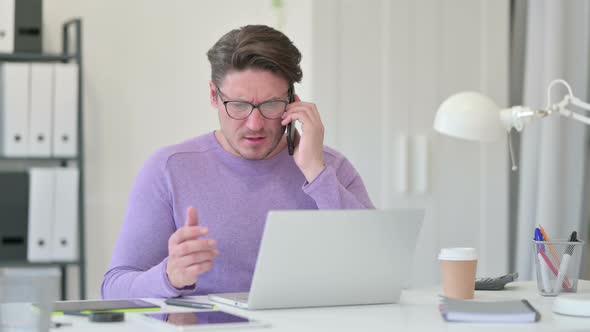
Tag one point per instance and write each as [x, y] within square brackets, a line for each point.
[474, 116]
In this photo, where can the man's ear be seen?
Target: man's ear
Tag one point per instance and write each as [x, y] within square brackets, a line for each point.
[212, 94]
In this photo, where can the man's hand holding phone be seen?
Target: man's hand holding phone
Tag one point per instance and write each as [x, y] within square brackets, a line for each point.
[189, 256]
[309, 148]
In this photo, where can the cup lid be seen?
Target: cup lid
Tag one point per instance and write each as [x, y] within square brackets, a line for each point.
[458, 254]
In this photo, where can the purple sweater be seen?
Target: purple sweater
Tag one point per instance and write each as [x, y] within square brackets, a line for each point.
[232, 196]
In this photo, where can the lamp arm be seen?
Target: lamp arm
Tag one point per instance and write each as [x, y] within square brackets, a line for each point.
[567, 86]
[573, 115]
[581, 104]
[562, 109]
[567, 100]
[516, 117]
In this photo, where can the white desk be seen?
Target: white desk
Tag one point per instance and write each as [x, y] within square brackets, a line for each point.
[418, 311]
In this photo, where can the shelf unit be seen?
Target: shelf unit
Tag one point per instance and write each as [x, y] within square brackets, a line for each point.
[71, 52]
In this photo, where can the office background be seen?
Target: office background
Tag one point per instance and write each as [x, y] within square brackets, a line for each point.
[377, 70]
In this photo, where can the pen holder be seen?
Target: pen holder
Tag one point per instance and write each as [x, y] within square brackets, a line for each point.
[557, 265]
[36, 285]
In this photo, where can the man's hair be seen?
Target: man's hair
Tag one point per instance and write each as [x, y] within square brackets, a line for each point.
[255, 47]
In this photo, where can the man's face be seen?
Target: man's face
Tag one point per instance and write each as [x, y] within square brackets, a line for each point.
[255, 137]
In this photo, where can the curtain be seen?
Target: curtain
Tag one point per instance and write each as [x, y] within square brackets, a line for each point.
[553, 151]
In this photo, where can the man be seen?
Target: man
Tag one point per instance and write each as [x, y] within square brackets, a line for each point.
[197, 209]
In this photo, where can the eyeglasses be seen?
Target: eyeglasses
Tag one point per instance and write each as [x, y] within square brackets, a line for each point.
[239, 110]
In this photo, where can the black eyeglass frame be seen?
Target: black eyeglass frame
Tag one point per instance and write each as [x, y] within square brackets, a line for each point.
[253, 106]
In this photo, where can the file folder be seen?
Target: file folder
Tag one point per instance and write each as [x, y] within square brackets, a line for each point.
[65, 110]
[41, 114]
[14, 203]
[7, 11]
[41, 212]
[20, 26]
[28, 18]
[65, 231]
[14, 109]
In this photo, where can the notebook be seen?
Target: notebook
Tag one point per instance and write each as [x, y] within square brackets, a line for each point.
[516, 311]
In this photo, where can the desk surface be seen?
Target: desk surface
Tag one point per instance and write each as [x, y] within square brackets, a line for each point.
[417, 311]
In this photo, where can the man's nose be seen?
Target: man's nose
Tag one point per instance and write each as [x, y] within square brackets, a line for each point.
[255, 121]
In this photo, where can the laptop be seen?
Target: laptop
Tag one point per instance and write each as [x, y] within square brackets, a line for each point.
[314, 258]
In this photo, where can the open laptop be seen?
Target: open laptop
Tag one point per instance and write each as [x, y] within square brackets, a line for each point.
[312, 258]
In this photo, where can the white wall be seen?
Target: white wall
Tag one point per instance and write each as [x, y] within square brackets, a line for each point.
[375, 68]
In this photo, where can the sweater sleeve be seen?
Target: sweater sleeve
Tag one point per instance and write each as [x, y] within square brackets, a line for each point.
[138, 264]
[339, 186]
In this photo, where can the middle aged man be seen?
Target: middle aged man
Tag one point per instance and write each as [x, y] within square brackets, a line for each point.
[230, 178]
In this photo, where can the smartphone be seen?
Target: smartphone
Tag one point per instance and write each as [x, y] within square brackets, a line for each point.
[290, 129]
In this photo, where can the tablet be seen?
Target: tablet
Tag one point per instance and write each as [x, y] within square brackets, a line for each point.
[129, 305]
[200, 320]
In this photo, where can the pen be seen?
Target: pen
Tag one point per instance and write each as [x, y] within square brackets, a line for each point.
[190, 304]
[542, 264]
[552, 268]
[553, 253]
[548, 261]
[566, 283]
[564, 263]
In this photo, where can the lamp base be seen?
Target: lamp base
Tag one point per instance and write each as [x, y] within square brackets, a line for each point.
[572, 305]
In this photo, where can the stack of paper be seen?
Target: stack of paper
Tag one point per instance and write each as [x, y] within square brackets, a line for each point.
[518, 311]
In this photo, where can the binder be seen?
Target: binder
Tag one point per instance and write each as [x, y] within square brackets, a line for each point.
[7, 11]
[20, 26]
[65, 230]
[14, 206]
[41, 112]
[41, 212]
[14, 109]
[28, 21]
[65, 115]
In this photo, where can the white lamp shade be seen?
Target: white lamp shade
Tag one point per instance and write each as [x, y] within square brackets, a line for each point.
[471, 116]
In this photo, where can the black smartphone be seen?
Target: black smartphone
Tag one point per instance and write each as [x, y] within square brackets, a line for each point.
[290, 130]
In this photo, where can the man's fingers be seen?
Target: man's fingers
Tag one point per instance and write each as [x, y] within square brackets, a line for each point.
[309, 109]
[192, 246]
[191, 217]
[195, 270]
[196, 258]
[300, 116]
[187, 233]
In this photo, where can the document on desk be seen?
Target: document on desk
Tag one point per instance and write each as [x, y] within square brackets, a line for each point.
[516, 311]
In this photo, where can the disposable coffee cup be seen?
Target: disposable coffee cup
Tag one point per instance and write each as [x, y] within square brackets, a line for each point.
[458, 267]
